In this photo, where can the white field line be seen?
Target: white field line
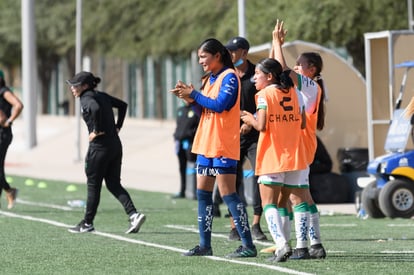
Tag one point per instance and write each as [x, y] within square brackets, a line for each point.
[397, 252]
[186, 228]
[175, 249]
[48, 205]
[337, 225]
[30, 218]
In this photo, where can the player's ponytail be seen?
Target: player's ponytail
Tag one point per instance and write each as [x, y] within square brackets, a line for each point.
[315, 60]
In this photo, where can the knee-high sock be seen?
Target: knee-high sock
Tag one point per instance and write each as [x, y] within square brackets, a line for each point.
[286, 225]
[239, 214]
[314, 230]
[205, 217]
[274, 224]
[290, 223]
[301, 213]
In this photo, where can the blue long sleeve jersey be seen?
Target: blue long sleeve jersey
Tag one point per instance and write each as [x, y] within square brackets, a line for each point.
[226, 98]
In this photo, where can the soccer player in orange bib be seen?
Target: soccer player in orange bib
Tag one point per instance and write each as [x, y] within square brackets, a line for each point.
[306, 75]
[280, 120]
[217, 145]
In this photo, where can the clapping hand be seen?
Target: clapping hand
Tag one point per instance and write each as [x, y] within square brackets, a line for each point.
[183, 91]
[247, 117]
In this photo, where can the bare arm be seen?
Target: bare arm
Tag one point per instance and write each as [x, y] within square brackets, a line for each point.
[258, 123]
[409, 110]
[17, 107]
[303, 124]
[276, 52]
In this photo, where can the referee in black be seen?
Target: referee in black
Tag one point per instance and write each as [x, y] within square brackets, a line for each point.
[104, 156]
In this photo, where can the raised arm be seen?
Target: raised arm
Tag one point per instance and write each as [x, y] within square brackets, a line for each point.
[278, 38]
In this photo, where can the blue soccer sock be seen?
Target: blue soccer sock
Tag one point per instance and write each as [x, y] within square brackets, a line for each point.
[205, 217]
[239, 214]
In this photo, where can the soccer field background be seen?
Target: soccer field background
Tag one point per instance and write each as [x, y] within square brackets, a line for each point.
[35, 239]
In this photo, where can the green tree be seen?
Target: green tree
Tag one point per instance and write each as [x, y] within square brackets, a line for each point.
[55, 33]
[337, 23]
[10, 35]
[146, 27]
[54, 37]
[134, 29]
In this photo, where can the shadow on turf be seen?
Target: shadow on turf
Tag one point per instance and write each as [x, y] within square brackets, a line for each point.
[373, 257]
[368, 240]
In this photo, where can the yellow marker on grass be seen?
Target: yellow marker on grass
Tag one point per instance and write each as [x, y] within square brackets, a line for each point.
[71, 188]
[29, 182]
[42, 185]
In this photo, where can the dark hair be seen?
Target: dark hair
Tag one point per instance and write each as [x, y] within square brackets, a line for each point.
[315, 60]
[204, 80]
[93, 81]
[84, 77]
[272, 66]
[214, 46]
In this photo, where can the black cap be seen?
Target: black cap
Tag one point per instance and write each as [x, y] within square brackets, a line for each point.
[81, 78]
[236, 43]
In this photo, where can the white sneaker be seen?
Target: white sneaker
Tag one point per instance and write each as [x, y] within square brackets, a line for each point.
[135, 223]
[82, 227]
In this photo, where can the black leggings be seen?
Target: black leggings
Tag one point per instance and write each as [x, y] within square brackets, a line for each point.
[182, 161]
[104, 163]
[249, 152]
[6, 138]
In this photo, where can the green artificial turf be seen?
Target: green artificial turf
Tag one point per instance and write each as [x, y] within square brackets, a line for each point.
[35, 240]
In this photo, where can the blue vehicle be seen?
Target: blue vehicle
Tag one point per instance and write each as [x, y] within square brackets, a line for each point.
[389, 191]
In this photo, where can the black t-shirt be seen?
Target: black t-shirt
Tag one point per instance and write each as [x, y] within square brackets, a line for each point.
[248, 103]
[187, 123]
[97, 112]
[322, 162]
[5, 106]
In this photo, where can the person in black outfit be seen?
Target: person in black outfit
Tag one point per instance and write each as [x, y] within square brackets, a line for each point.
[104, 156]
[322, 163]
[239, 48]
[10, 109]
[186, 127]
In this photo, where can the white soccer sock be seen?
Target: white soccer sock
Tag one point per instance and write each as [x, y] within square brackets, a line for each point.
[286, 223]
[314, 230]
[301, 214]
[274, 224]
